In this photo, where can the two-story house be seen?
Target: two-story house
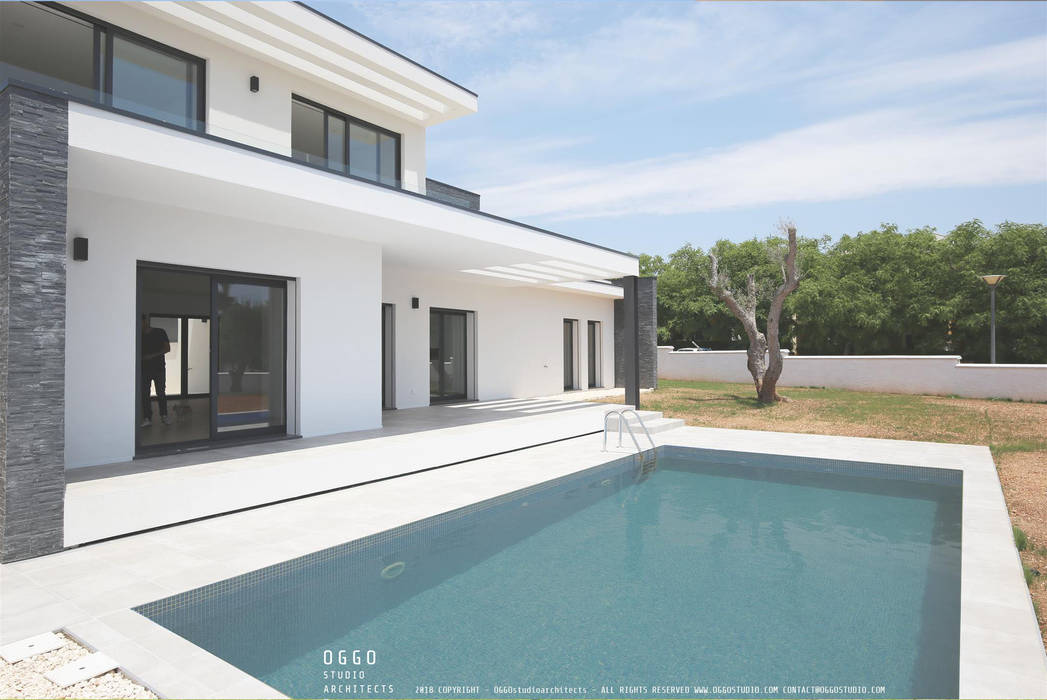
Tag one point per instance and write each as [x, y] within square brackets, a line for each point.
[250, 179]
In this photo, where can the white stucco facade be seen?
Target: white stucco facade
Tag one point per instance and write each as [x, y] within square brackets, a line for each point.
[230, 200]
[336, 332]
[234, 52]
[519, 334]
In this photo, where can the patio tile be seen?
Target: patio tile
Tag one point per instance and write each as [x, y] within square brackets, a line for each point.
[20, 593]
[171, 682]
[129, 595]
[250, 688]
[102, 579]
[213, 672]
[184, 579]
[994, 617]
[45, 618]
[989, 681]
[999, 648]
[129, 623]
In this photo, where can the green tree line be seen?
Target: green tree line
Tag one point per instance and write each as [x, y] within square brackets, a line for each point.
[877, 292]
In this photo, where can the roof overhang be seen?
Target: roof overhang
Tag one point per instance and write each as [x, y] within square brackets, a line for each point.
[125, 157]
[304, 42]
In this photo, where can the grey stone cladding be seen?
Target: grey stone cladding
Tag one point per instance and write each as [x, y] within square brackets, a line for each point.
[647, 345]
[442, 192]
[33, 253]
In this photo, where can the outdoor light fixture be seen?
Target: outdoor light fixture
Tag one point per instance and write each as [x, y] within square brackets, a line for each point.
[992, 281]
[80, 248]
[254, 83]
[414, 302]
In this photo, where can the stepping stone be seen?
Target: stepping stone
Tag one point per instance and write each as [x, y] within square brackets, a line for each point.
[17, 651]
[80, 670]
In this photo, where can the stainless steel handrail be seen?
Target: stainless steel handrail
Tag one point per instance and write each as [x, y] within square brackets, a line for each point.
[620, 412]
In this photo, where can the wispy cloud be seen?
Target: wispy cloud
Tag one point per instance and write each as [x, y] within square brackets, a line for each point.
[979, 122]
[808, 102]
[857, 156]
[432, 31]
[513, 161]
[699, 50]
[1018, 66]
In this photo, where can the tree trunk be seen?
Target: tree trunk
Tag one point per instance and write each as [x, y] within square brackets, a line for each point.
[756, 359]
[768, 392]
[764, 356]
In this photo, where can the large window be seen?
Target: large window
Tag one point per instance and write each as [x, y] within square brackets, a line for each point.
[56, 48]
[43, 46]
[154, 82]
[336, 141]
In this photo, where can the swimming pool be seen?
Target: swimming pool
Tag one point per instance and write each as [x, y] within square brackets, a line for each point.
[729, 573]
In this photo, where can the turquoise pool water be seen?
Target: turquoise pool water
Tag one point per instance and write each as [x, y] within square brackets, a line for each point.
[719, 574]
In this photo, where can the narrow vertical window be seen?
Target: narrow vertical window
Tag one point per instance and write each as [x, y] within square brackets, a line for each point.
[388, 155]
[363, 152]
[335, 143]
[307, 133]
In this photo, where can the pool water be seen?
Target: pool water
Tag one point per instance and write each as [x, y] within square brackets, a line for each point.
[719, 574]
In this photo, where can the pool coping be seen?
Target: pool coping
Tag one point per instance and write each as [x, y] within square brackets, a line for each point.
[1001, 653]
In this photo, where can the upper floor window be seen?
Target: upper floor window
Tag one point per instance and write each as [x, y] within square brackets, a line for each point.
[56, 48]
[323, 137]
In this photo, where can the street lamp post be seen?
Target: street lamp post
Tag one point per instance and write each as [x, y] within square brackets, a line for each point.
[992, 281]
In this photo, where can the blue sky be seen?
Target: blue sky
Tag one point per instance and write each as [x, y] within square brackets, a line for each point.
[647, 125]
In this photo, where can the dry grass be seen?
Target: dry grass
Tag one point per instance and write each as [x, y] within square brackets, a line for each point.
[1016, 433]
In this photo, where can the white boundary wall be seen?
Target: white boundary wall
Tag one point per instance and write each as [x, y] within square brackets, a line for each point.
[901, 374]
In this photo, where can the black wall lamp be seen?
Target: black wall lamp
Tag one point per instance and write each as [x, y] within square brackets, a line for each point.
[254, 83]
[414, 302]
[79, 248]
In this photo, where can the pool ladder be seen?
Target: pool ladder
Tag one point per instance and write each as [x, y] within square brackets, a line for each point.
[647, 457]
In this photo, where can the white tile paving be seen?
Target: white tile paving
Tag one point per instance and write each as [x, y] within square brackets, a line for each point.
[89, 591]
[26, 648]
[149, 493]
[80, 670]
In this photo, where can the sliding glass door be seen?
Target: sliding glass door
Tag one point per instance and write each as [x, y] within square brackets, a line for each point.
[174, 357]
[212, 356]
[448, 355]
[250, 355]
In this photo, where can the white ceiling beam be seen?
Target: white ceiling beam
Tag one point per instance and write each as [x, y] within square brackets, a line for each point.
[323, 28]
[266, 51]
[587, 269]
[488, 273]
[296, 41]
[525, 273]
[563, 274]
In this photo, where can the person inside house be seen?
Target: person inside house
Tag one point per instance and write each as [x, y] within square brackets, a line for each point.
[155, 344]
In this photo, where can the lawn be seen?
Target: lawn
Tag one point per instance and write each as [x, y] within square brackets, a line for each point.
[1015, 432]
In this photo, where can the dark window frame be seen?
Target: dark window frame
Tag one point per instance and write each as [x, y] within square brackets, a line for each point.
[103, 52]
[215, 439]
[350, 120]
[442, 312]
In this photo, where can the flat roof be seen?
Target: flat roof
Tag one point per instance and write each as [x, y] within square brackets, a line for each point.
[380, 45]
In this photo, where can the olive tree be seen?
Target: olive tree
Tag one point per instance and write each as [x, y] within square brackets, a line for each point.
[764, 356]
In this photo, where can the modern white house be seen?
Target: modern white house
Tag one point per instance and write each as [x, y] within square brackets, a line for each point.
[251, 178]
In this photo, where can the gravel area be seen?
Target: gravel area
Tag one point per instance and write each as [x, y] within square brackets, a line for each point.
[25, 679]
